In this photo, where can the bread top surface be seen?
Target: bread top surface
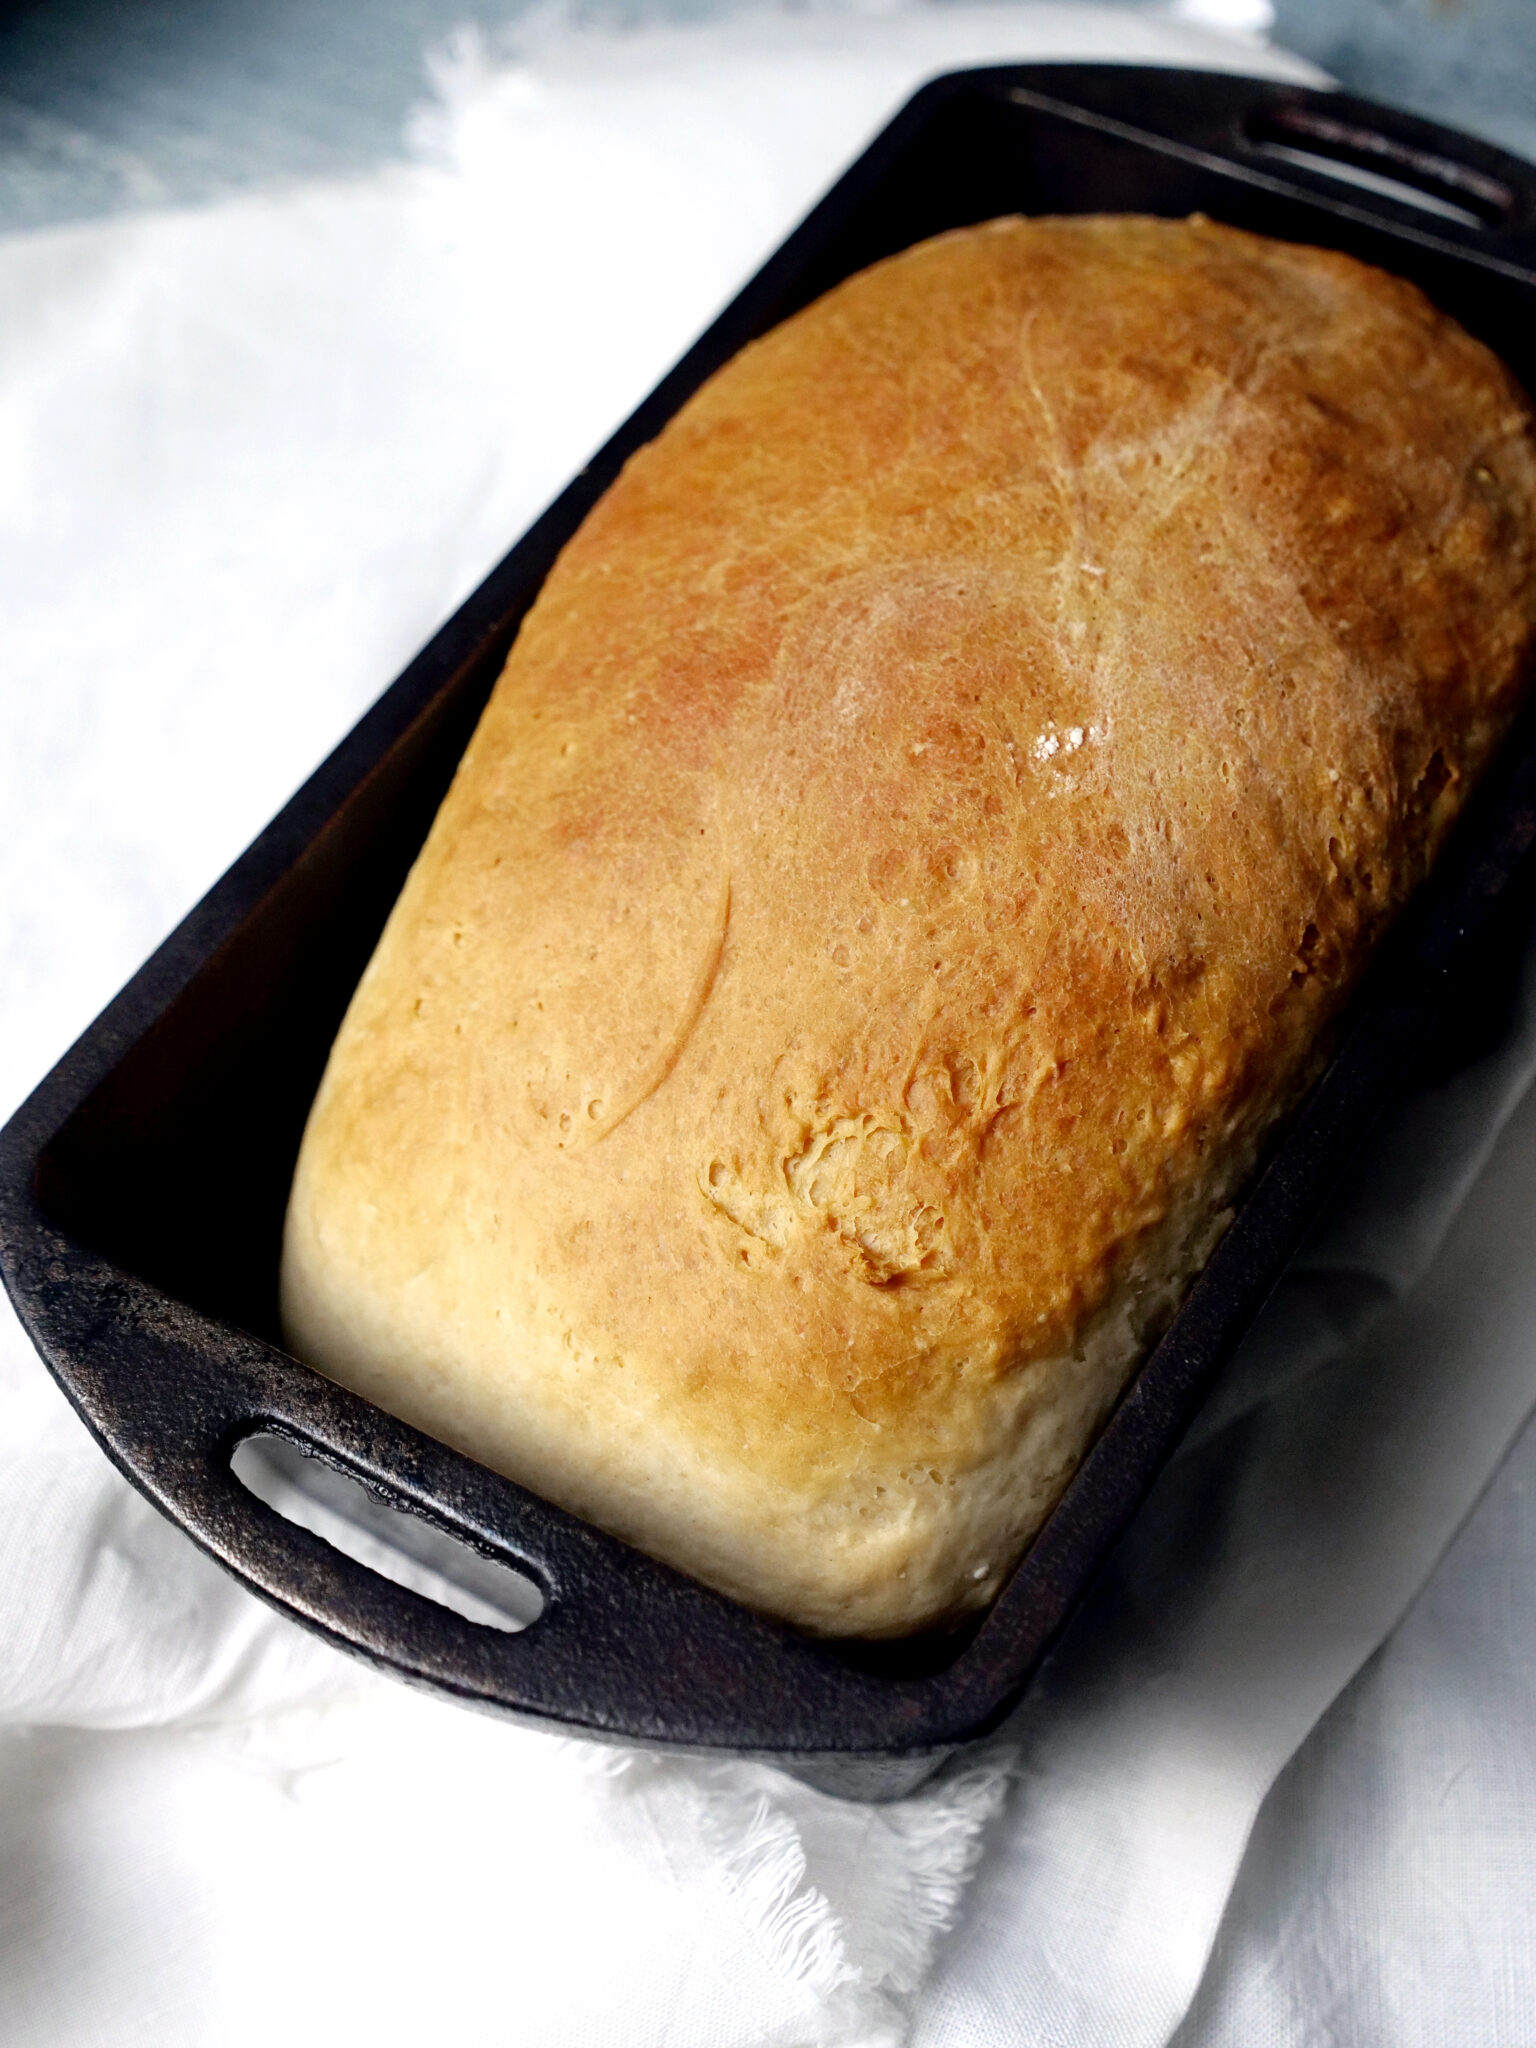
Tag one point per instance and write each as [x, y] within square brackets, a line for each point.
[928, 820]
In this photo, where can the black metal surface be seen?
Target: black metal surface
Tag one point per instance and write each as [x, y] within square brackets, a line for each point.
[142, 1186]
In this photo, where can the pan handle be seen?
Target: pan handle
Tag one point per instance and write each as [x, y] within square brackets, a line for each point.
[1368, 162]
[1392, 154]
[622, 1648]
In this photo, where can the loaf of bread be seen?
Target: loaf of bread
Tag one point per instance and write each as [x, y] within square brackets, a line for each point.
[924, 830]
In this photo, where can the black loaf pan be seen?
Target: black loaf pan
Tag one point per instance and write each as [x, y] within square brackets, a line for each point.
[142, 1187]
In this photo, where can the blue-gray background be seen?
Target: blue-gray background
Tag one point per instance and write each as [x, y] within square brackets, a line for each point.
[107, 105]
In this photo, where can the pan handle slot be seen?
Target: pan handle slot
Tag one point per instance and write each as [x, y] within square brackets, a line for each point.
[1334, 146]
[393, 1542]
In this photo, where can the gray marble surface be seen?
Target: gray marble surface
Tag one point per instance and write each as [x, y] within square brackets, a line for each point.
[1468, 63]
[106, 107]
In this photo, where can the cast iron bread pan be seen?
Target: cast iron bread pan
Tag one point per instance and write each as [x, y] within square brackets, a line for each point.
[142, 1187]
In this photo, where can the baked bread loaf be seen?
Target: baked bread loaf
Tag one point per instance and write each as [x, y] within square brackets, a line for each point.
[926, 825]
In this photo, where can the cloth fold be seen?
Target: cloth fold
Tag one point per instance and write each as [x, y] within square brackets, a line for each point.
[248, 456]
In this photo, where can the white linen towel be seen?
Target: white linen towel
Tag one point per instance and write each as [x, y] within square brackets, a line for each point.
[249, 455]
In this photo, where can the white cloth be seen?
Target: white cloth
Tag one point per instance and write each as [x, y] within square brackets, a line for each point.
[249, 455]
[1387, 1896]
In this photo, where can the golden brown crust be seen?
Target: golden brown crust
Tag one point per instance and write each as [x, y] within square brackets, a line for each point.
[939, 799]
